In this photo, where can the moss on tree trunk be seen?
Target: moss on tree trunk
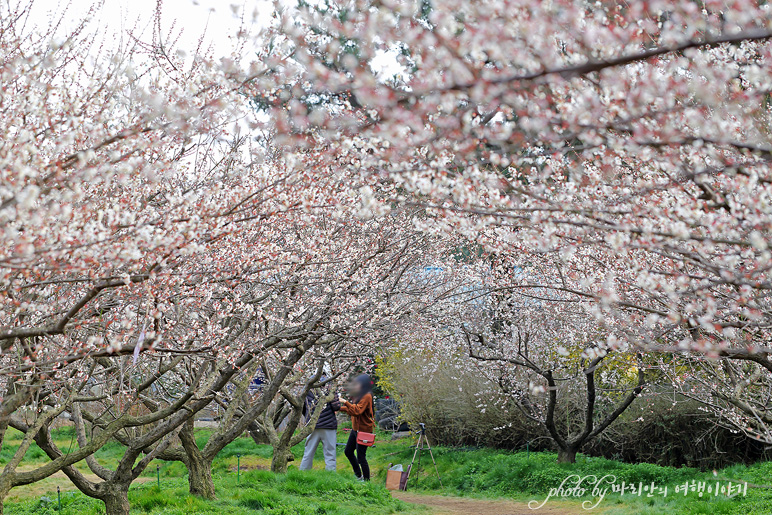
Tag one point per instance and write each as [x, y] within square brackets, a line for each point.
[567, 455]
[200, 477]
[117, 502]
[281, 458]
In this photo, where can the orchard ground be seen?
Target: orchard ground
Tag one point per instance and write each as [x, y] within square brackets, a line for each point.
[479, 481]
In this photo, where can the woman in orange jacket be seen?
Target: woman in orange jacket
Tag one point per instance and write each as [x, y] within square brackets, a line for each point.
[362, 414]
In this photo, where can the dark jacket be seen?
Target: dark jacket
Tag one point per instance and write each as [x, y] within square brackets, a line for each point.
[327, 418]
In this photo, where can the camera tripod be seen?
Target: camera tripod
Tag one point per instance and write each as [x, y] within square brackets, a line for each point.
[421, 444]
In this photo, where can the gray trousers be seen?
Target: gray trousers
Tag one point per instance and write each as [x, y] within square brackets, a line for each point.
[328, 439]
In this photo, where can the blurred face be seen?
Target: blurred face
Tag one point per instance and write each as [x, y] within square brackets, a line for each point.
[355, 388]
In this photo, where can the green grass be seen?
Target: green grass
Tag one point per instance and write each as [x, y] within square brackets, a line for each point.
[296, 493]
[482, 473]
[524, 476]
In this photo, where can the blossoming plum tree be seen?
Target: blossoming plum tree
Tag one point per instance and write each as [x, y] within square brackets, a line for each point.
[629, 141]
[120, 172]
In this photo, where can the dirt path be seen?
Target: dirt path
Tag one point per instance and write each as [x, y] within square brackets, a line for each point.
[445, 505]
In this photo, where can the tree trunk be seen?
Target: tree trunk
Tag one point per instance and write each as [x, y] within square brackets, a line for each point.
[200, 476]
[281, 457]
[4, 490]
[567, 455]
[200, 480]
[258, 435]
[117, 502]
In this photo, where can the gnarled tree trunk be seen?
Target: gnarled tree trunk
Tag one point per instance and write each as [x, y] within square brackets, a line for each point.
[5, 487]
[116, 501]
[282, 455]
[567, 455]
[200, 480]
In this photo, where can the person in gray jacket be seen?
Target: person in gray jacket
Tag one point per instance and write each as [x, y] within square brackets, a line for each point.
[325, 432]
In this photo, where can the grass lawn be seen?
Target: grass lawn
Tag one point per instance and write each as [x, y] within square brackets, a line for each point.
[476, 473]
[314, 493]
